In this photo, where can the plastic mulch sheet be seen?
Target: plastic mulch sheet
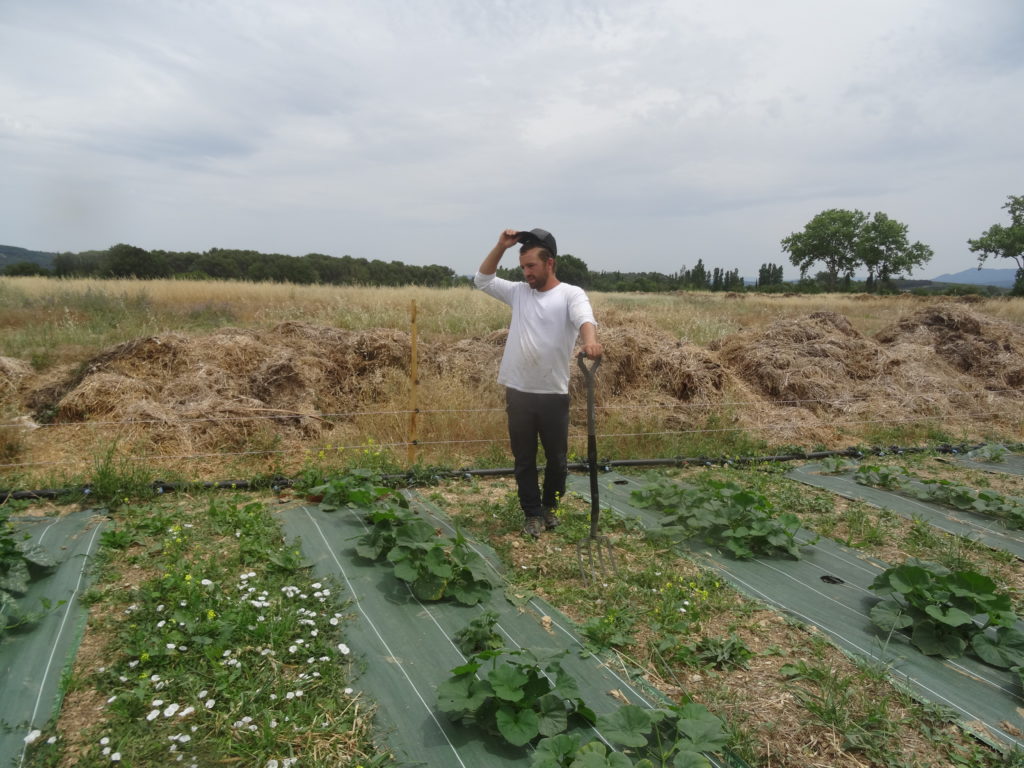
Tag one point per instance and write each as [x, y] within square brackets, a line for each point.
[986, 529]
[828, 589]
[404, 647]
[1012, 464]
[33, 660]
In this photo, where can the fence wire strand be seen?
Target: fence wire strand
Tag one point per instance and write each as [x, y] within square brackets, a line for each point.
[575, 433]
[278, 415]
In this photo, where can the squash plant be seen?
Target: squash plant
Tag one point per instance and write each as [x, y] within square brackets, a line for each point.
[985, 502]
[994, 453]
[948, 613]
[670, 736]
[434, 567]
[19, 565]
[882, 476]
[358, 488]
[723, 514]
[835, 465]
[479, 635]
[947, 492]
[517, 694]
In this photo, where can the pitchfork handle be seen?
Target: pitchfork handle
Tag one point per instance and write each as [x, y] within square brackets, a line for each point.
[595, 504]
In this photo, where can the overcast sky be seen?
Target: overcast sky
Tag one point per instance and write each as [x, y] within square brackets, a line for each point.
[644, 134]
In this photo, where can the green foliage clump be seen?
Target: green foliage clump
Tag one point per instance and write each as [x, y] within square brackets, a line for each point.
[517, 694]
[479, 635]
[984, 502]
[949, 612]
[882, 476]
[726, 652]
[673, 736]
[433, 566]
[356, 489]
[19, 566]
[724, 514]
[947, 492]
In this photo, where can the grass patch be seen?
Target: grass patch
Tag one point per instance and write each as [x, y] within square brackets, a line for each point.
[224, 650]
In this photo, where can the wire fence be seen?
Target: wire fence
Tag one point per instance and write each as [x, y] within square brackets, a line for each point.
[466, 415]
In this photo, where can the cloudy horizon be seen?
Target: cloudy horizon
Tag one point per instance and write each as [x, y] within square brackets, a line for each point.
[645, 135]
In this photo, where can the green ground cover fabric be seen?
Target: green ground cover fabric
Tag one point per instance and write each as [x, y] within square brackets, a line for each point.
[981, 697]
[1012, 464]
[986, 529]
[33, 660]
[404, 647]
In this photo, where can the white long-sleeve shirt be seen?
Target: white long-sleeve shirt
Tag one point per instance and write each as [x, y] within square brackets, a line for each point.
[542, 334]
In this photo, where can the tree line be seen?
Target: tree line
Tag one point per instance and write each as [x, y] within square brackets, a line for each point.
[842, 241]
[225, 264]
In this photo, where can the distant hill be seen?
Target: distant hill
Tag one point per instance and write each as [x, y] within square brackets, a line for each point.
[10, 254]
[1000, 278]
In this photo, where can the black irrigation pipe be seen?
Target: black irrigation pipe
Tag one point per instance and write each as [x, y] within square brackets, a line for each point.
[410, 478]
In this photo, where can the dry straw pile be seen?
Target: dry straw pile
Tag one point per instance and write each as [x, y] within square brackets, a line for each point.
[811, 380]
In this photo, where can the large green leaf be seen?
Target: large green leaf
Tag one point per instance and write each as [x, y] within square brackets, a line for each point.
[889, 615]
[437, 563]
[405, 569]
[932, 640]
[462, 695]
[16, 579]
[953, 617]
[971, 584]
[628, 725]
[468, 591]
[594, 755]
[518, 726]
[508, 682]
[552, 713]
[688, 759]
[907, 578]
[551, 751]
[37, 556]
[416, 531]
[704, 730]
[1004, 650]
[428, 586]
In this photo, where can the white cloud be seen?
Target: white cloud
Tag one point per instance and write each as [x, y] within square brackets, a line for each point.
[417, 130]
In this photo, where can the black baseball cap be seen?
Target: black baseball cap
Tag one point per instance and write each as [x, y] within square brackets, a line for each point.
[539, 237]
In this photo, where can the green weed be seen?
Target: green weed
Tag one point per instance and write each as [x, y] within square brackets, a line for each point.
[224, 654]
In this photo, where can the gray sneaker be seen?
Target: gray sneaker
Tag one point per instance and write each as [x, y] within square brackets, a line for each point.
[550, 520]
[534, 526]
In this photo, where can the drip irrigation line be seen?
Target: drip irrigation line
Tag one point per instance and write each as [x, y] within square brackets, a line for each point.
[413, 477]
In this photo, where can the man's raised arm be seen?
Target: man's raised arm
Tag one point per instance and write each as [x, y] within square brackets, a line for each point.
[507, 239]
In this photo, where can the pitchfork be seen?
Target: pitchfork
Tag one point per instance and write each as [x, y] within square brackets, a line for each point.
[594, 549]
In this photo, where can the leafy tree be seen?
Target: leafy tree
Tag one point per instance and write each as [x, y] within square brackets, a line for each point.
[698, 277]
[883, 249]
[572, 270]
[77, 264]
[830, 237]
[25, 269]
[1005, 242]
[769, 274]
[124, 260]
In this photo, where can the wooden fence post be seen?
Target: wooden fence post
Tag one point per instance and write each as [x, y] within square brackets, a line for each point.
[413, 385]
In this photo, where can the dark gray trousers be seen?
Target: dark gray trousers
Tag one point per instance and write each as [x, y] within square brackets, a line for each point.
[533, 417]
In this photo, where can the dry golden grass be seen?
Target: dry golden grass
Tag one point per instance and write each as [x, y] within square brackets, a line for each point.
[211, 378]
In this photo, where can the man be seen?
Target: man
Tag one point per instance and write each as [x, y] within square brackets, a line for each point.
[547, 316]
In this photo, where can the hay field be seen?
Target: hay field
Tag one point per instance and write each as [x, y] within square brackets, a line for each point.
[210, 380]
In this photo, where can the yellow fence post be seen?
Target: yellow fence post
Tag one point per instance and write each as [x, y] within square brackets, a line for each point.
[413, 385]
